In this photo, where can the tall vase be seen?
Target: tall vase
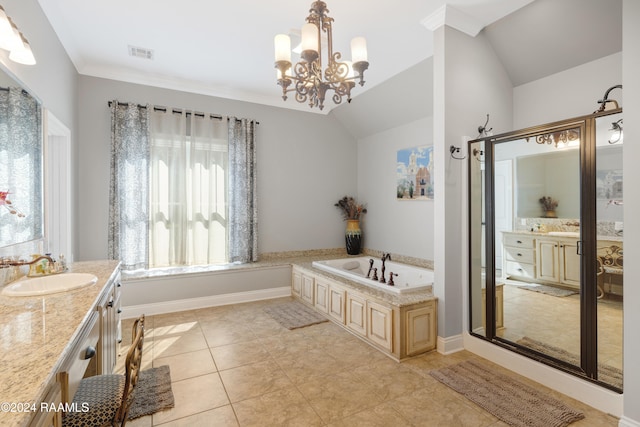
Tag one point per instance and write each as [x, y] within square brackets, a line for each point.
[353, 237]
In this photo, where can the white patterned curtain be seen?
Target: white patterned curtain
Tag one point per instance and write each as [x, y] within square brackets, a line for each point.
[243, 208]
[188, 189]
[20, 166]
[128, 192]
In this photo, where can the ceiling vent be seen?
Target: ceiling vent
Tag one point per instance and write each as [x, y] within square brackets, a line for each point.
[140, 52]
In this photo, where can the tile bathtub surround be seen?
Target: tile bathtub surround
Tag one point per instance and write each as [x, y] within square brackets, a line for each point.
[235, 366]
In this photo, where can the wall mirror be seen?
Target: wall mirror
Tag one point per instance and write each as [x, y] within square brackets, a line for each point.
[21, 164]
[546, 250]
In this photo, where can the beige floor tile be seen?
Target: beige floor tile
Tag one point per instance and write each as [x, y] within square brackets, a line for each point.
[218, 334]
[338, 396]
[192, 396]
[254, 380]
[314, 364]
[320, 375]
[172, 343]
[219, 417]
[234, 355]
[441, 407]
[379, 416]
[188, 365]
[285, 407]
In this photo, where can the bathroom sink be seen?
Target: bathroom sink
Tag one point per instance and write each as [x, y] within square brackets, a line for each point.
[34, 286]
[564, 233]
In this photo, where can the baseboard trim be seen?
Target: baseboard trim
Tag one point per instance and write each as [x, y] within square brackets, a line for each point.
[628, 422]
[151, 309]
[450, 345]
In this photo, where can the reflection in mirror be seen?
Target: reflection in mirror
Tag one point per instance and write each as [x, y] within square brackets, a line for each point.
[539, 273]
[609, 262]
[21, 212]
[545, 244]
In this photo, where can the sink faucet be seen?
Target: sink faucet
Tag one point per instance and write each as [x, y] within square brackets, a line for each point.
[385, 256]
[4, 262]
[51, 269]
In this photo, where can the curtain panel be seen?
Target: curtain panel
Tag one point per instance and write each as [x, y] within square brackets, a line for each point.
[188, 189]
[243, 206]
[20, 165]
[128, 188]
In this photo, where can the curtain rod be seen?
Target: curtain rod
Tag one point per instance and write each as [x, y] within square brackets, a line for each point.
[175, 110]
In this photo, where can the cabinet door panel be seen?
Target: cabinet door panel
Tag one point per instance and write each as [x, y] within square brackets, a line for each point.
[322, 296]
[380, 325]
[547, 260]
[356, 314]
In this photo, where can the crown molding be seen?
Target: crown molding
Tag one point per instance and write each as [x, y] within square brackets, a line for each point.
[452, 17]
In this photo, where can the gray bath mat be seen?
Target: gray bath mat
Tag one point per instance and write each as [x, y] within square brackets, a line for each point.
[544, 289]
[513, 402]
[152, 393]
[606, 373]
[294, 315]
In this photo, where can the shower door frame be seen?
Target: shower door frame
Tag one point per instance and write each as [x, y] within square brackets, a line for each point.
[587, 245]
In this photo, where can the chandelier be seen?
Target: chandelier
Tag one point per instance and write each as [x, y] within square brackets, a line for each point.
[310, 81]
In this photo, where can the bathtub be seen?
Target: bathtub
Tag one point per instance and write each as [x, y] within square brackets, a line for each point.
[408, 279]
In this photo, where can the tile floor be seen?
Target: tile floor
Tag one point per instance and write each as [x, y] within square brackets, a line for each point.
[235, 366]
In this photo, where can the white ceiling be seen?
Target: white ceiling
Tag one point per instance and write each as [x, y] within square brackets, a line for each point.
[225, 48]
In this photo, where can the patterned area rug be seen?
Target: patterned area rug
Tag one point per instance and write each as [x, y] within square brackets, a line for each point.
[152, 393]
[294, 315]
[543, 289]
[606, 373]
[513, 402]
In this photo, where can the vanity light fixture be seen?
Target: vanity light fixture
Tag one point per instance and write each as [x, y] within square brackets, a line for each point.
[569, 137]
[311, 82]
[13, 40]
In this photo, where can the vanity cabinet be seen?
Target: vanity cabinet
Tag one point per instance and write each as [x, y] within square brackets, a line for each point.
[109, 309]
[400, 331]
[85, 349]
[519, 256]
[52, 399]
[558, 261]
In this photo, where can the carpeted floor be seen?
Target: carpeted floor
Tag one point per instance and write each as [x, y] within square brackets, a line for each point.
[294, 315]
[152, 393]
[513, 402]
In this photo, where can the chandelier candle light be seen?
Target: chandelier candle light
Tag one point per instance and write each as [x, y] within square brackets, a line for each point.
[310, 84]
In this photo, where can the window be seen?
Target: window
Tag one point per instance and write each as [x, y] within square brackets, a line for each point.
[183, 188]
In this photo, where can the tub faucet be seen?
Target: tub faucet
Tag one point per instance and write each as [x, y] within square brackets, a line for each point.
[370, 267]
[385, 256]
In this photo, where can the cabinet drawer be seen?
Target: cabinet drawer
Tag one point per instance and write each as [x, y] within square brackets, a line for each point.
[80, 356]
[522, 255]
[519, 241]
[520, 269]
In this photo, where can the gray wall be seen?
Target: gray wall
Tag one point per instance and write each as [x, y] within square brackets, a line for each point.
[306, 162]
[631, 84]
[400, 227]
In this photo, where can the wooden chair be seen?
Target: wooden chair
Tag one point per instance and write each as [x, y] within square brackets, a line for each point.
[107, 398]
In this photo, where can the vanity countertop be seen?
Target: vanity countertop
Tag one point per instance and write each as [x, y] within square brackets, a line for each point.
[546, 234]
[36, 334]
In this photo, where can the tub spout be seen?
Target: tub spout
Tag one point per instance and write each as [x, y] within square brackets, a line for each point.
[370, 267]
[385, 256]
